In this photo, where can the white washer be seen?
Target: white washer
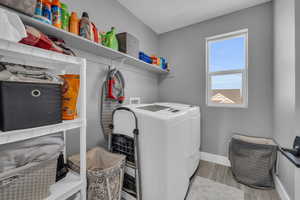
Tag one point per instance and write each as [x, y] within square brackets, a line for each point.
[193, 136]
[169, 141]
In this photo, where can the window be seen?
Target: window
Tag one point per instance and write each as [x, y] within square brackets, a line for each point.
[226, 70]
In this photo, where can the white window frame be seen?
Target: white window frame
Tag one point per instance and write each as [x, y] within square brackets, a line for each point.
[244, 71]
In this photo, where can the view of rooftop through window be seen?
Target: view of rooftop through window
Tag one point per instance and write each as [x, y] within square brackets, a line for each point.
[226, 63]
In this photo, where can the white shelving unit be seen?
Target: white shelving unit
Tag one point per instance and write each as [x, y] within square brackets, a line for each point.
[88, 46]
[23, 54]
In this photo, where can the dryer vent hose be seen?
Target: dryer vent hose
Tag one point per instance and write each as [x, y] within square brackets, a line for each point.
[112, 96]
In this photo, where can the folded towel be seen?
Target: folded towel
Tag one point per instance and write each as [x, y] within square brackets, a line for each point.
[34, 150]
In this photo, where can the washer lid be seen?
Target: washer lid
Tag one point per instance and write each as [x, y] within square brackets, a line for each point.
[163, 112]
[153, 108]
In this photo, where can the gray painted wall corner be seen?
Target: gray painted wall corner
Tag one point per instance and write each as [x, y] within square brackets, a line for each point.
[284, 85]
[185, 50]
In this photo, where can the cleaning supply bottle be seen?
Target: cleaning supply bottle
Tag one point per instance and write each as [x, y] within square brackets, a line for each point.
[102, 35]
[111, 39]
[56, 13]
[95, 33]
[85, 26]
[92, 31]
[74, 23]
[64, 17]
[47, 10]
[39, 8]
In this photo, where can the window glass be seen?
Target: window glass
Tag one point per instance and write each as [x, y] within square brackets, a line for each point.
[227, 89]
[226, 74]
[227, 54]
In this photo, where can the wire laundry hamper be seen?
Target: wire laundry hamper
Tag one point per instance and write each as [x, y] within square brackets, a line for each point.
[30, 182]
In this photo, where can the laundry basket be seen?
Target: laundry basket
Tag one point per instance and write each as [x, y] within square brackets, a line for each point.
[105, 172]
[253, 160]
[29, 182]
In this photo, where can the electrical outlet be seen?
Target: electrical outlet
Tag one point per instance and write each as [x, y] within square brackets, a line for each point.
[135, 100]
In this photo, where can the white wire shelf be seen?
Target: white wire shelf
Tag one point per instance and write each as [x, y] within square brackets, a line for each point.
[66, 187]
[24, 134]
[88, 46]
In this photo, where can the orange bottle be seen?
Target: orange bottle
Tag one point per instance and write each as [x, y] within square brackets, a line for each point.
[74, 23]
[56, 13]
[70, 91]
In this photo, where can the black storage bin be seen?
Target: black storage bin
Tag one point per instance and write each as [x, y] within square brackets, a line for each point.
[27, 105]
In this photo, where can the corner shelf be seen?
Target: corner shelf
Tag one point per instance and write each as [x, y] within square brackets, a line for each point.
[83, 44]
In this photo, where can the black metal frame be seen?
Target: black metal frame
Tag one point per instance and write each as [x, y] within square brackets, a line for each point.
[136, 164]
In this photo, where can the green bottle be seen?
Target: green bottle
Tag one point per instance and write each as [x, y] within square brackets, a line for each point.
[111, 39]
[65, 17]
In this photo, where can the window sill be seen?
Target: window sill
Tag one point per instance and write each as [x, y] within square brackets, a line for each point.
[226, 105]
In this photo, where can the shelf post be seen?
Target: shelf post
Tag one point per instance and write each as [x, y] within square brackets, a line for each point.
[83, 128]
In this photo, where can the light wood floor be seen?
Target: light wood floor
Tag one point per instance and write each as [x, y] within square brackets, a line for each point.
[223, 175]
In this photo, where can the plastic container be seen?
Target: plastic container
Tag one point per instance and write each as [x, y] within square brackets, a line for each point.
[47, 10]
[105, 173]
[102, 37]
[69, 96]
[144, 57]
[56, 13]
[155, 60]
[74, 23]
[95, 33]
[163, 63]
[85, 26]
[65, 17]
[39, 8]
[111, 40]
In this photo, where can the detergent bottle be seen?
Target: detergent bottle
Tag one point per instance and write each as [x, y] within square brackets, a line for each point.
[85, 26]
[47, 13]
[39, 8]
[65, 17]
[56, 13]
[95, 33]
[111, 39]
[74, 23]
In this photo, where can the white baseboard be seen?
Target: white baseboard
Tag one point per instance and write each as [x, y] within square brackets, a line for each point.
[221, 160]
[280, 189]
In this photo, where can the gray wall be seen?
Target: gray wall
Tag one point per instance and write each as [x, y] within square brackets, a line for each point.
[139, 83]
[185, 49]
[284, 85]
[297, 42]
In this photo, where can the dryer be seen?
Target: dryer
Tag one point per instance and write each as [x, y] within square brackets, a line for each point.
[169, 142]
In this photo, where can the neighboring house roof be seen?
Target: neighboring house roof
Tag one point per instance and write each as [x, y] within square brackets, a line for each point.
[232, 96]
